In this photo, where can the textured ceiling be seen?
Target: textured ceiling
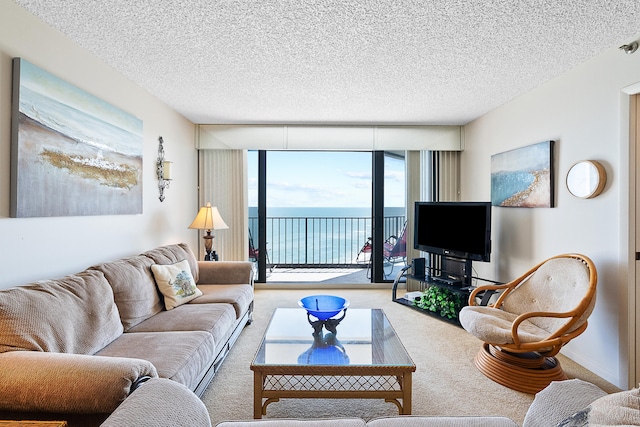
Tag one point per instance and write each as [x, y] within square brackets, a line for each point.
[341, 61]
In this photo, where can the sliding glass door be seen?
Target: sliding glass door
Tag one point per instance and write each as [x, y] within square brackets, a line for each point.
[314, 215]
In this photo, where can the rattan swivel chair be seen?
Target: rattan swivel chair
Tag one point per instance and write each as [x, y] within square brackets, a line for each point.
[531, 319]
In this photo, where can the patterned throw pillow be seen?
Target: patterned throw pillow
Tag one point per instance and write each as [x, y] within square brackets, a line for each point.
[176, 283]
[579, 419]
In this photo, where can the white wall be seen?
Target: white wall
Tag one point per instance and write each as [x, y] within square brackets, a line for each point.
[41, 248]
[584, 112]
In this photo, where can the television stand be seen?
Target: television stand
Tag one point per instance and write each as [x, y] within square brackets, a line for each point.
[447, 281]
[457, 293]
[451, 271]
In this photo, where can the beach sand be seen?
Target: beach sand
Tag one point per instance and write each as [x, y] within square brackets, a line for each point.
[45, 187]
[537, 195]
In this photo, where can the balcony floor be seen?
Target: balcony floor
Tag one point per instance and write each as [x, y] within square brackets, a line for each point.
[318, 275]
[324, 275]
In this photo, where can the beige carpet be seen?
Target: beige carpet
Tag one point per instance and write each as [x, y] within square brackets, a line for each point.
[445, 382]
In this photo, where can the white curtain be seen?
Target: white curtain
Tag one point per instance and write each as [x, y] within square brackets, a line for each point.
[223, 182]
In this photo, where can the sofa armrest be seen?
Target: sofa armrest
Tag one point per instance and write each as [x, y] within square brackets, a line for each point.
[225, 272]
[160, 402]
[560, 400]
[67, 383]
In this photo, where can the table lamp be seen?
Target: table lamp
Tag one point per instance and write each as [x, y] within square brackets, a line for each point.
[209, 218]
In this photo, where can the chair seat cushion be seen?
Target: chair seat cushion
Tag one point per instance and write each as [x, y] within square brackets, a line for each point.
[493, 326]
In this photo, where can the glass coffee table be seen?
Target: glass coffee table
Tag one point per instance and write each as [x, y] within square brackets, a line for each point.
[356, 355]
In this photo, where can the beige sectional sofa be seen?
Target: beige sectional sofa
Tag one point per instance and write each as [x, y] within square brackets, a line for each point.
[74, 348]
[569, 403]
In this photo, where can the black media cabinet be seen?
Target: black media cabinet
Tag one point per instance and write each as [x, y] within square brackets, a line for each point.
[421, 283]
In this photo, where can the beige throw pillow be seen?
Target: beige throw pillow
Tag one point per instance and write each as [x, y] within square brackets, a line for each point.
[617, 409]
[176, 283]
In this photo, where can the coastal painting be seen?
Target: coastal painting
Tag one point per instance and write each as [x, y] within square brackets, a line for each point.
[72, 154]
[523, 177]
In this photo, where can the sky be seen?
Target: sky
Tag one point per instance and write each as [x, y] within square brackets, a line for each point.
[323, 179]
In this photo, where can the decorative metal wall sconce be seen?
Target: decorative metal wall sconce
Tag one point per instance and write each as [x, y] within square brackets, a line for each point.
[163, 170]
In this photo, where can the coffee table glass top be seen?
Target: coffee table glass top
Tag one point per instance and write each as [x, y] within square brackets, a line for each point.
[362, 337]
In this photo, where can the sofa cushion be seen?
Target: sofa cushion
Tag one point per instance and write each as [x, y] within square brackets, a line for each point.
[171, 254]
[399, 421]
[329, 422]
[160, 403]
[559, 400]
[422, 421]
[176, 283]
[180, 356]
[134, 288]
[240, 296]
[617, 409]
[74, 314]
[579, 419]
[216, 319]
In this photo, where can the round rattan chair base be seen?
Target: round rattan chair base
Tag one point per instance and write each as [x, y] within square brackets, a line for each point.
[528, 373]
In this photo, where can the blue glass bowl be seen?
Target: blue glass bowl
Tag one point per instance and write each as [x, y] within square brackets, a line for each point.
[323, 307]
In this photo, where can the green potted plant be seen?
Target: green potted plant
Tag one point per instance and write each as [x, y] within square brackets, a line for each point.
[441, 301]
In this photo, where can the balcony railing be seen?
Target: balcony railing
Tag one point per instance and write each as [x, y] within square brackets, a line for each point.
[319, 242]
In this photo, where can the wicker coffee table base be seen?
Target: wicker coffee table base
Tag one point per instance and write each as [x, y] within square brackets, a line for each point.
[331, 383]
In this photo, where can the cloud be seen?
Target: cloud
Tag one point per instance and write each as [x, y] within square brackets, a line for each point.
[359, 175]
[306, 188]
[397, 176]
[366, 184]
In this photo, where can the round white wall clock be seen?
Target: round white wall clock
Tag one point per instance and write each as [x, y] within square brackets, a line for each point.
[586, 179]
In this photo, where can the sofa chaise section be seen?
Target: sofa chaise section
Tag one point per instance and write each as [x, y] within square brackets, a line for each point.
[49, 332]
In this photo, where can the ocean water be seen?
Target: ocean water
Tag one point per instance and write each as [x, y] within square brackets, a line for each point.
[324, 212]
[324, 235]
[66, 109]
[507, 184]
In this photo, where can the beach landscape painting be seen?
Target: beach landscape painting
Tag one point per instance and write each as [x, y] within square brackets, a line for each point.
[523, 177]
[72, 154]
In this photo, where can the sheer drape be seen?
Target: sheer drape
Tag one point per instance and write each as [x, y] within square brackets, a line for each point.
[223, 182]
[431, 176]
[414, 186]
[444, 167]
[440, 176]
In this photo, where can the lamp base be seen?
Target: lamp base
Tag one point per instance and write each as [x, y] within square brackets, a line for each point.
[211, 256]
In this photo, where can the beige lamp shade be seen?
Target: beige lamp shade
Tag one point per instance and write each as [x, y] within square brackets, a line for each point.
[208, 218]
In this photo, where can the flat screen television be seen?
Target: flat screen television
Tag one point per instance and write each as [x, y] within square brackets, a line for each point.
[454, 229]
